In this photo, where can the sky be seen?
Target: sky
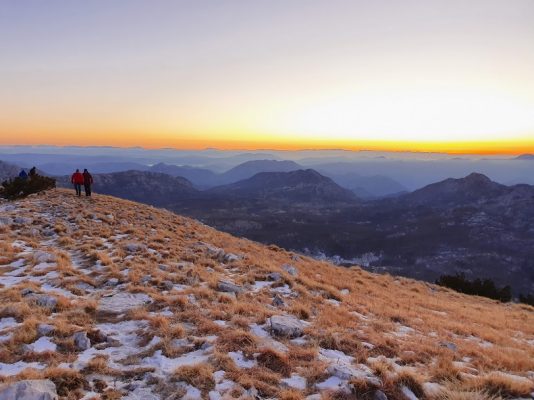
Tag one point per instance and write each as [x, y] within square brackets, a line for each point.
[428, 75]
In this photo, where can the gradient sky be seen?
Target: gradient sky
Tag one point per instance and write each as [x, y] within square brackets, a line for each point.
[420, 75]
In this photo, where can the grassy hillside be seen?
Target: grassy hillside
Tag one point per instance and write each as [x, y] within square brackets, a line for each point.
[108, 298]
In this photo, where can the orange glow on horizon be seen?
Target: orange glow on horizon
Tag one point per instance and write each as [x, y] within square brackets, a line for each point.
[255, 142]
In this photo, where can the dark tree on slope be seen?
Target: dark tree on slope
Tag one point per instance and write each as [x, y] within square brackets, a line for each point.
[17, 188]
[527, 299]
[477, 287]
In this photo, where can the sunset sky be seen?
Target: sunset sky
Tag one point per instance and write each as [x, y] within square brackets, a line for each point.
[455, 76]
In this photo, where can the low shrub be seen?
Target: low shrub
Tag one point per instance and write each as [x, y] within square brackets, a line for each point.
[17, 188]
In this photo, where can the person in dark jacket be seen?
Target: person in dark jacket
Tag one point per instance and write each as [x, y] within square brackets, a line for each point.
[23, 175]
[87, 182]
[77, 180]
[33, 172]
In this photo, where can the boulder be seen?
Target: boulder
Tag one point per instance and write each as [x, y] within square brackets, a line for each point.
[432, 389]
[112, 282]
[81, 341]
[134, 247]
[274, 276]
[22, 220]
[44, 329]
[230, 257]
[347, 372]
[291, 270]
[286, 326]
[48, 232]
[215, 252]
[379, 395]
[167, 285]
[34, 232]
[407, 393]
[43, 257]
[26, 291]
[122, 302]
[5, 221]
[229, 287]
[449, 345]
[278, 301]
[37, 389]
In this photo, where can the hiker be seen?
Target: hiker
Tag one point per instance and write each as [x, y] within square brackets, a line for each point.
[33, 172]
[87, 182]
[77, 180]
[23, 175]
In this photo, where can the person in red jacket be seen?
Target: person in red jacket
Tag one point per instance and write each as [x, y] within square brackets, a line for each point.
[77, 180]
[87, 182]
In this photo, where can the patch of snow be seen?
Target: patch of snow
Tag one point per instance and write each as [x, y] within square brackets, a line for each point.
[192, 393]
[8, 322]
[168, 365]
[5, 338]
[18, 263]
[259, 285]
[43, 266]
[295, 382]
[12, 280]
[408, 393]
[335, 356]
[42, 344]
[333, 383]
[258, 330]
[240, 359]
[403, 330]
[19, 366]
[55, 290]
[180, 288]
[283, 290]
[301, 341]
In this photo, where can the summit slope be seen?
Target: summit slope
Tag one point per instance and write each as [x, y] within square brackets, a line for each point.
[110, 299]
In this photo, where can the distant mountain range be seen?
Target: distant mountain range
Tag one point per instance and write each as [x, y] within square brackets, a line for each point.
[301, 186]
[471, 225]
[204, 178]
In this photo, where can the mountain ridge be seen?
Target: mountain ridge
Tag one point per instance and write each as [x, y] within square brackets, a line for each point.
[300, 186]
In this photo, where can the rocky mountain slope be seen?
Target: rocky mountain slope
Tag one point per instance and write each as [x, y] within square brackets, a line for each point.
[104, 299]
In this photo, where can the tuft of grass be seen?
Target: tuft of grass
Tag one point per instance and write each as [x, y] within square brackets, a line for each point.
[235, 340]
[199, 376]
[501, 385]
[67, 381]
[275, 361]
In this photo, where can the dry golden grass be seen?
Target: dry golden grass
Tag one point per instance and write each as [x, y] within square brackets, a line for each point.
[275, 361]
[372, 309]
[199, 376]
